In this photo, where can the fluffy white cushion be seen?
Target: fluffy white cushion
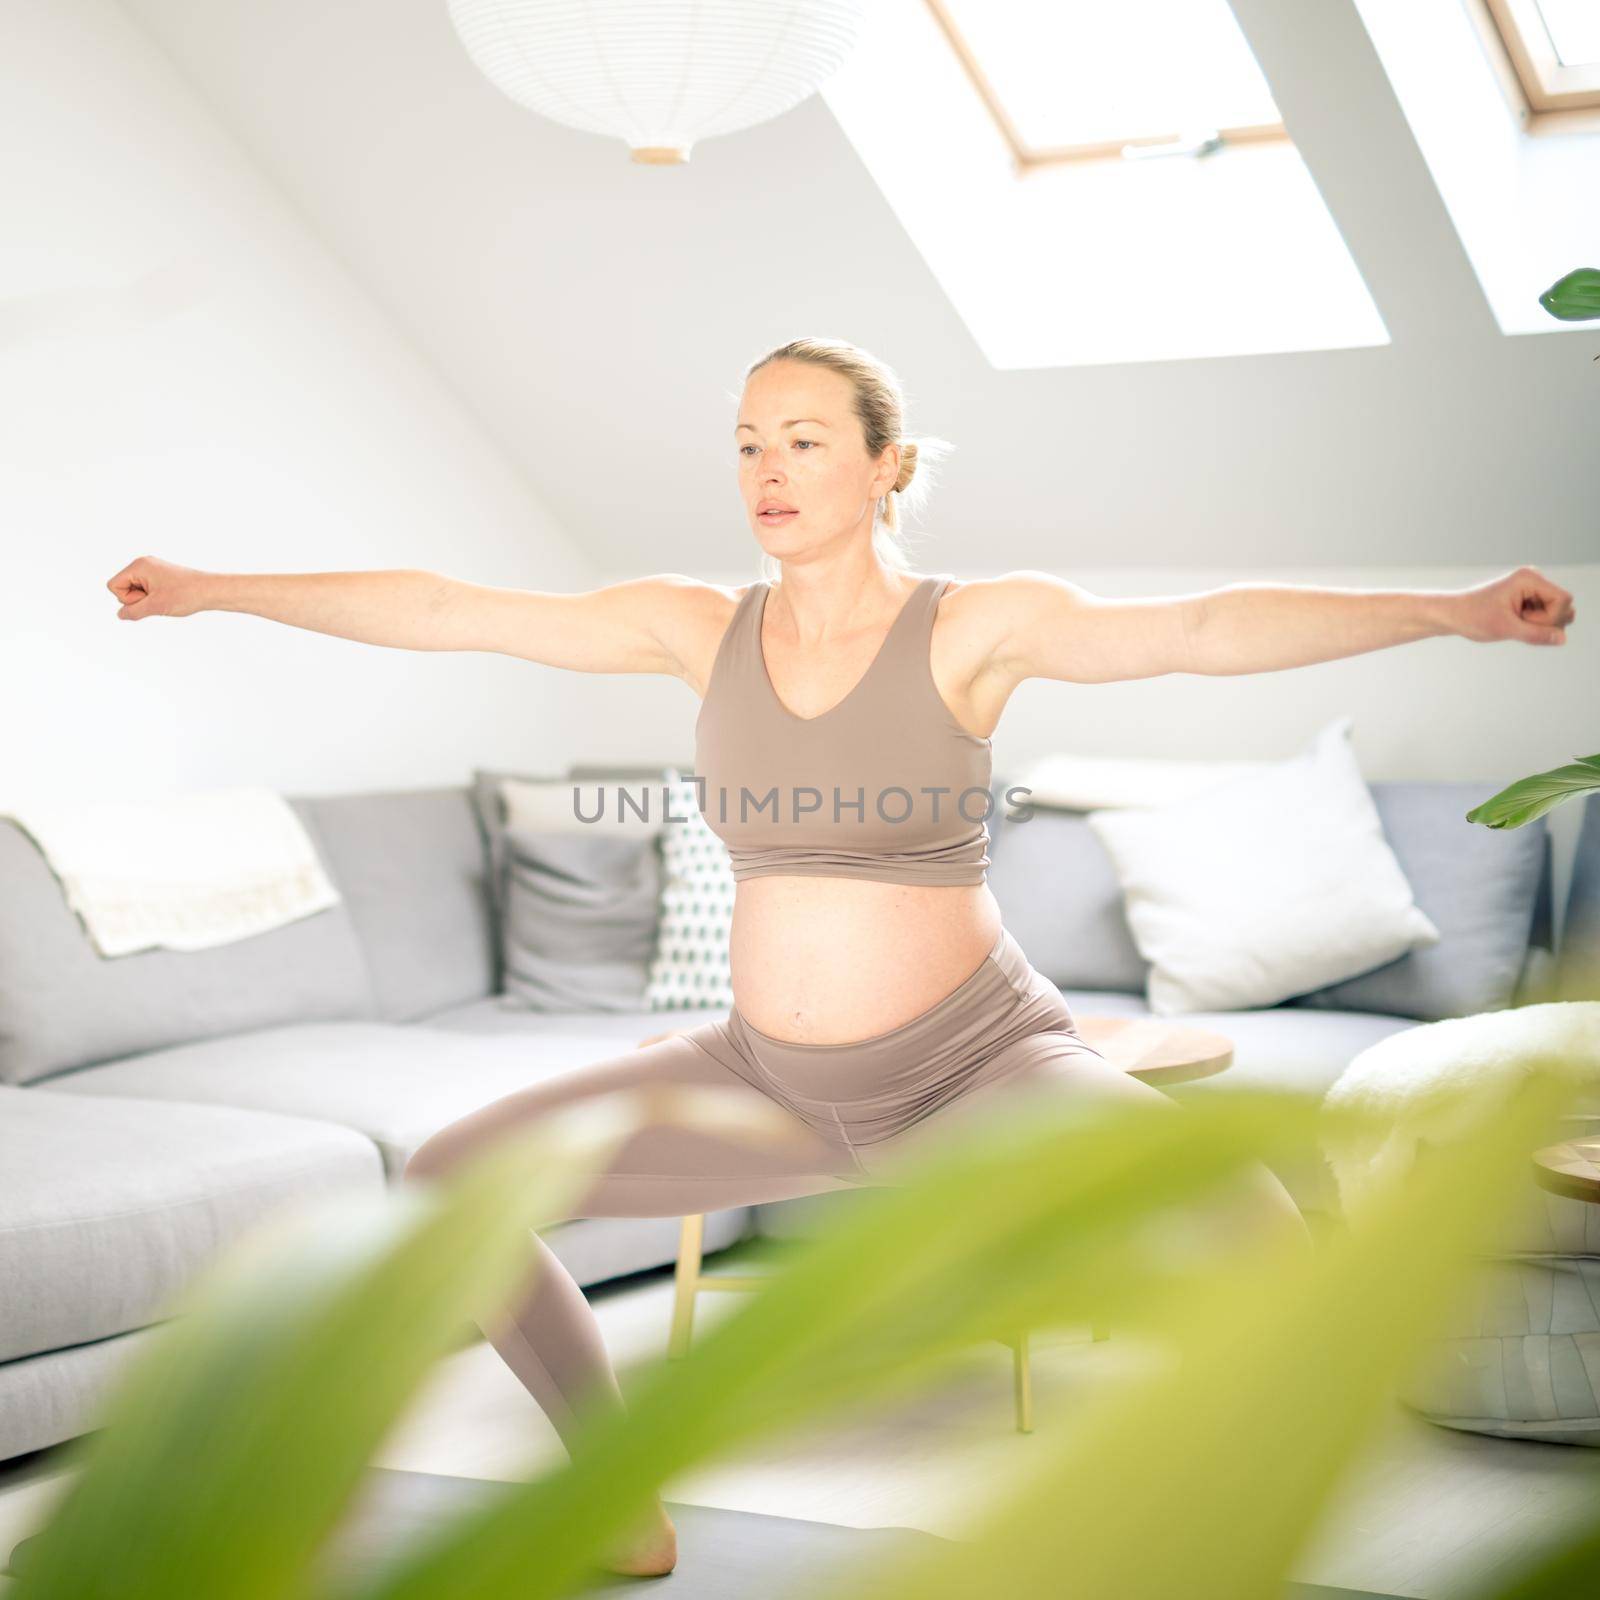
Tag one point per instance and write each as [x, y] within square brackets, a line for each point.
[1265, 886]
[1431, 1082]
[691, 968]
[1520, 1355]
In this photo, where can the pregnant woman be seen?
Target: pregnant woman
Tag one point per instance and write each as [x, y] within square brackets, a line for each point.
[876, 993]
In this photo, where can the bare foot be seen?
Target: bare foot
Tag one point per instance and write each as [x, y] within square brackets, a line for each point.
[651, 1551]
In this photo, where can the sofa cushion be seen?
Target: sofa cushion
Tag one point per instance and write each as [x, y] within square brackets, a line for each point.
[1058, 894]
[489, 805]
[48, 1398]
[691, 969]
[108, 1206]
[1479, 886]
[609, 1030]
[580, 919]
[396, 1085]
[411, 867]
[64, 1005]
[58, 1394]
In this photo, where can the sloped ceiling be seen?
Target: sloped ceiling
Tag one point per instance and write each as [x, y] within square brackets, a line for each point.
[597, 315]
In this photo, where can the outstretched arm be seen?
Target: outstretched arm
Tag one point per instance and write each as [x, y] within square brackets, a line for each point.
[642, 625]
[1048, 627]
[1266, 627]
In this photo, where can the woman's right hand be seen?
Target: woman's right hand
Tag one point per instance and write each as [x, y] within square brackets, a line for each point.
[148, 587]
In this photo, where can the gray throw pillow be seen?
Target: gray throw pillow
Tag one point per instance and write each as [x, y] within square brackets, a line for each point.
[489, 804]
[579, 928]
[1480, 887]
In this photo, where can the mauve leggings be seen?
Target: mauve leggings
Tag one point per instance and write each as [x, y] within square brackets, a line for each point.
[852, 1105]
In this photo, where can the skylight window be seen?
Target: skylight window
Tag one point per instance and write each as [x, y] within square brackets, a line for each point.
[1003, 135]
[1514, 166]
[1078, 79]
[1554, 47]
[1574, 29]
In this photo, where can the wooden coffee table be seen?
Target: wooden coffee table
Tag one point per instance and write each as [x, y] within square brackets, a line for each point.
[1158, 1052]
[1571, 1168]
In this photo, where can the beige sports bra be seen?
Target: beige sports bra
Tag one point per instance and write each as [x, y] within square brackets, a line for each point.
[884, 785]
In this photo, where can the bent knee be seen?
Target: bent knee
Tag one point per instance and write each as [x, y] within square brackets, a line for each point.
[1274, 1213]
[431, 1159]
[418, 1167]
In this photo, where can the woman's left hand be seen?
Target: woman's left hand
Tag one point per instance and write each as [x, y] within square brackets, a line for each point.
[1523, 605]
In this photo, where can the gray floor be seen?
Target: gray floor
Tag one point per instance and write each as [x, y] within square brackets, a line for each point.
[1430, 1514]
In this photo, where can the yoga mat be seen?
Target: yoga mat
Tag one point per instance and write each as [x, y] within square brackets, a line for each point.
[722, 1555]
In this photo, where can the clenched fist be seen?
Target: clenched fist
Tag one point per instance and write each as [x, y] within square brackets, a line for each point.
[151, 588]
[1523, 605]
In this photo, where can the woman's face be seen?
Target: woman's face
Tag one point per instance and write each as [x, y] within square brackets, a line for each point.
[800, 446]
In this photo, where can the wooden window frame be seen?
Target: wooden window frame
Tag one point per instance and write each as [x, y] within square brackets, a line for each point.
[1546, 96]
[1027, 158]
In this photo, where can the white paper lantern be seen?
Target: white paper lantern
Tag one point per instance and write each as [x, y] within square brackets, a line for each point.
[660, 74]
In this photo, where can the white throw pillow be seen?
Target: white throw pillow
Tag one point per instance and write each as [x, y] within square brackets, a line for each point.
[1264, 887]
[690, 969]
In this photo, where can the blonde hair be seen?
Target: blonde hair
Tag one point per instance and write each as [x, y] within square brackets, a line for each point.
[880, 409]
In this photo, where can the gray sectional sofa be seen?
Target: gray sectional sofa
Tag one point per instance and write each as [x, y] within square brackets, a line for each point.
[154, 1106]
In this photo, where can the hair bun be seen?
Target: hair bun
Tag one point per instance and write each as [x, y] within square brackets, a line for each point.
[908, 464]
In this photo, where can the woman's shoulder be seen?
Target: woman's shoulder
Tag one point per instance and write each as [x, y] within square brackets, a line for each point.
[707, 612]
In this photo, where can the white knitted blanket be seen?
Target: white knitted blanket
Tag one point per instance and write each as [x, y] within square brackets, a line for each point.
[186, 871]
[1436, 1081]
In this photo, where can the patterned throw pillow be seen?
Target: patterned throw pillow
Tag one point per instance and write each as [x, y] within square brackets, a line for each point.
[690, 967]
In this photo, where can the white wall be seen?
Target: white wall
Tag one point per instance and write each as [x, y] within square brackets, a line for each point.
[250, 409]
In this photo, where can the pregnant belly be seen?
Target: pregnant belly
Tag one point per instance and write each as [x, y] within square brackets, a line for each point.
[831, 960]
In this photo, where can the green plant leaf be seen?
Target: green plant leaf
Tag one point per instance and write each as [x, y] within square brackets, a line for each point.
[1574, 298]
[1037, 1212]
[1277, 1380]
[230, 1449]
[873, 1302]
[1529, 798]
